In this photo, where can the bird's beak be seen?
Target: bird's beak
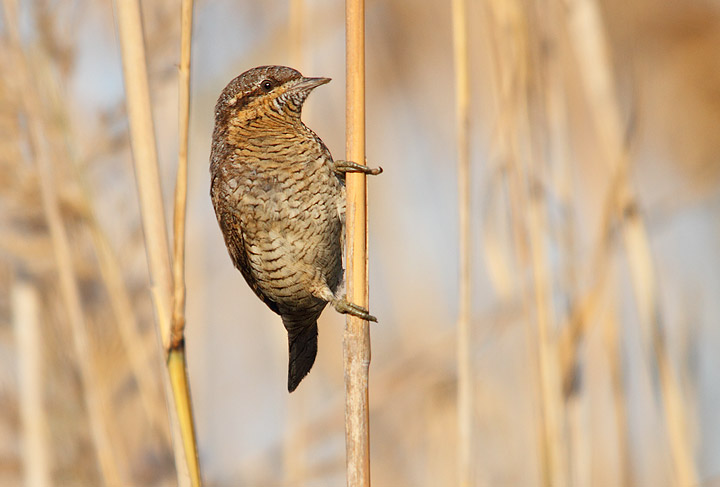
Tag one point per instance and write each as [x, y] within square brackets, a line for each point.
[308, 84]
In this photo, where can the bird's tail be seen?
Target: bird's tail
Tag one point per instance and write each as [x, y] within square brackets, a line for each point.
[302, 341]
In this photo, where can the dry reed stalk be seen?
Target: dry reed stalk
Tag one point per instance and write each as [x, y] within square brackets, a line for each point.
[142, 136]
[592, 54]
[176, 363]
[462, 114]
[177, 331]
[356, 340]
[69, 290]
[28, 333]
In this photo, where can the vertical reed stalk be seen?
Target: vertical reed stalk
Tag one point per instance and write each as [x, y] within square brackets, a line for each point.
[177, 362]
[462, 108]
[142, 136]
[178, 317]
[356, 340]
[35, 454]
[586, 29]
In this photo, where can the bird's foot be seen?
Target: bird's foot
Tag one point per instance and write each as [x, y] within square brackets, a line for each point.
[343, 306]
[343, 167]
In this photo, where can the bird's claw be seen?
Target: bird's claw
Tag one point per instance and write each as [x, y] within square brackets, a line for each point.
[349, 166]
[345, 307]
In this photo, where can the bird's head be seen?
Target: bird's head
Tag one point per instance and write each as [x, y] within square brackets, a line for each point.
[272, 92]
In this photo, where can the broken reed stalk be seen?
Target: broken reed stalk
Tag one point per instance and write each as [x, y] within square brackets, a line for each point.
[142, 136]
[69, 290]
[462, 107]
[591, 48]
[178, 317]
[33, 418]
[356, 340]
[177, 362]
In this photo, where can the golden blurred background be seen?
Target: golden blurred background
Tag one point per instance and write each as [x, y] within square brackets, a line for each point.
[595, 248]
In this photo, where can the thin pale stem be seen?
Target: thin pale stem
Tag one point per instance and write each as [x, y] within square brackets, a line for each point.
[462, 106]
[178, 316]
[33, 417]
[177, 365]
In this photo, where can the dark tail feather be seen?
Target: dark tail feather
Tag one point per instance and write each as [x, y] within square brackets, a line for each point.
[302, 341]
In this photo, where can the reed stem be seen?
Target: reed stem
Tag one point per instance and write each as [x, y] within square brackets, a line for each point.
[356, 340]
[462, 104]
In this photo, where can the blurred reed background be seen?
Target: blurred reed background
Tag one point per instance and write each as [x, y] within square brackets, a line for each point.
[594, 249]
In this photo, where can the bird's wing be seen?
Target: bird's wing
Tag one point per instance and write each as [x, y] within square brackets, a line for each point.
[226, 204]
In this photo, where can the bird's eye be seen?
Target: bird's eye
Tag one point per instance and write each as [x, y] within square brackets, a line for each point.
[266, 85]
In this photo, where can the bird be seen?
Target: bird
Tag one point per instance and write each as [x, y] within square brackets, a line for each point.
[279, 198]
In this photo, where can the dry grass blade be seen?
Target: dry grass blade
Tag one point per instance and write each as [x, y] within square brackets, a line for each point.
[462, 101]
[356, 341]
